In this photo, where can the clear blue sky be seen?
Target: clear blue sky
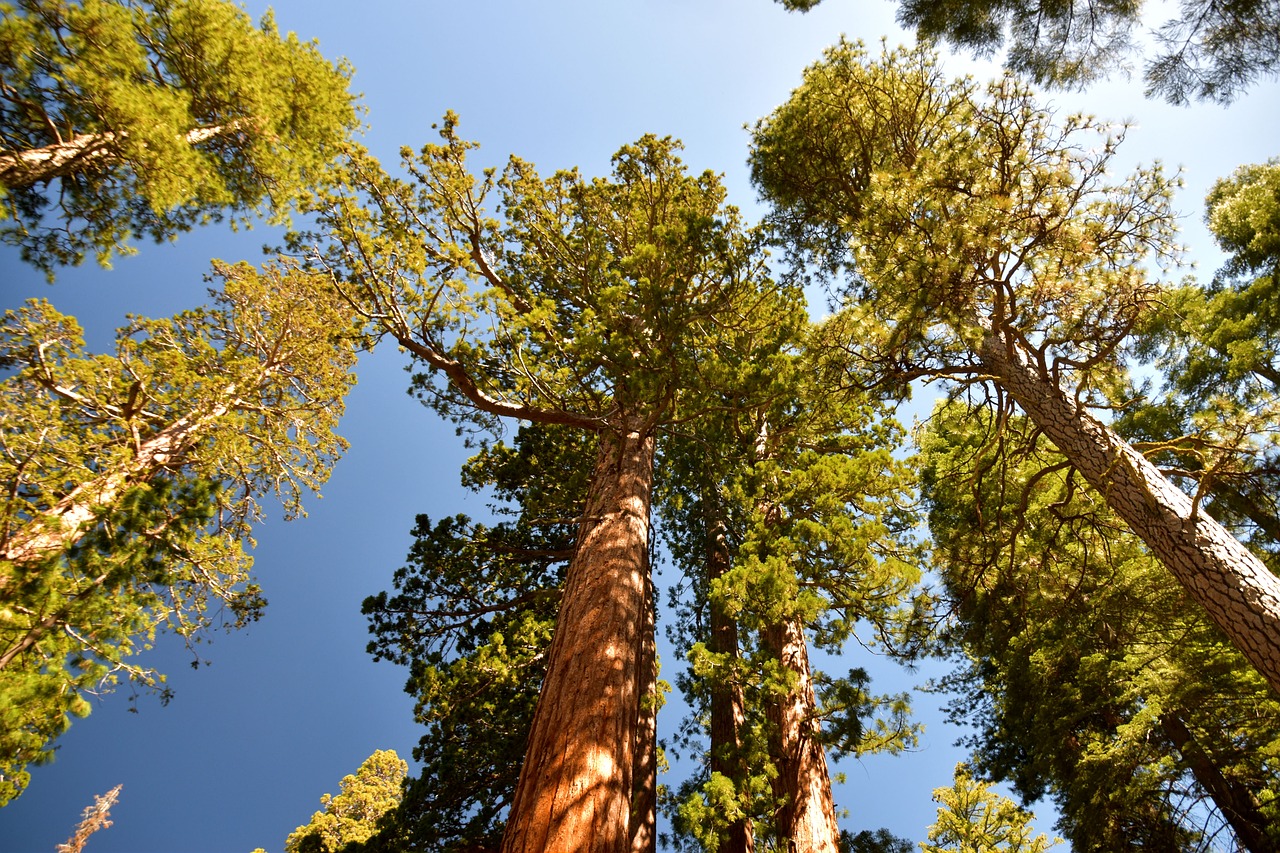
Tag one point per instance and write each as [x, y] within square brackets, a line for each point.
[290, 705]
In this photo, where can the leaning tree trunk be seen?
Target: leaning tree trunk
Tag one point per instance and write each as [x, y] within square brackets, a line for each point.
[1238, 804]
[728, 712]
[807, 817]
[1240, 594]
[81, 152]
[59, 527]
[575, 788]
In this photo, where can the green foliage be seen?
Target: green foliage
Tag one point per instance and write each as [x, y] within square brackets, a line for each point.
[132, 118]
[587, 301]
[472, 617]
[1087, 673]
[1213, 423]
[352, 817]
[974, 819]
[132, 481]
[1208, 51]
[813, 511]
[958, 212]
[879, 841]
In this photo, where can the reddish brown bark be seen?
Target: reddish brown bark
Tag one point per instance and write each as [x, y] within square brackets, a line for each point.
[807, 817]
[576, 785]
[727, 703]
[644, 782]
[1239, 593]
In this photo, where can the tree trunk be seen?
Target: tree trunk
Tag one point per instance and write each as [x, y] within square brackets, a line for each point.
[1239, 593]
[575, 787]
[644, 782]
[1237, 804]
[807, 816]
[728, 712]
[82, 151]
[59, 527]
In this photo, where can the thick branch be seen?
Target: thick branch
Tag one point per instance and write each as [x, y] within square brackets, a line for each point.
[24, 169]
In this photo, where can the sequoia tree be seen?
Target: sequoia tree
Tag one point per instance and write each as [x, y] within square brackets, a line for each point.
[125, 118]
[989, 246]
[471, 616]
[132, 480]
[588, 304]
[1208, 51]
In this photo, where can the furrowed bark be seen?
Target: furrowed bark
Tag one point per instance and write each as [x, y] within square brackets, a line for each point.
[576, 784]
[644, 780]
[727, 703]
[807, 817]
[1236, 589]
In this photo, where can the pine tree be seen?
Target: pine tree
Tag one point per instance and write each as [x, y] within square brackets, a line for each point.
[352, 816]
[1083, 668]
[989, 247]
[132, 481]
[131, 118]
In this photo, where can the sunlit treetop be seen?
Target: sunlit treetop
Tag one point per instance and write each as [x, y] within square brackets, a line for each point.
[122, 119]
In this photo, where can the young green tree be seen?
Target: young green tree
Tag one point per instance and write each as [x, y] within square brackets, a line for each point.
[589, 304]
[132, 480]
[1208, 51]
[352, 816]
[989, 247]
[975, 819]
[1083, 669]
[125, 118]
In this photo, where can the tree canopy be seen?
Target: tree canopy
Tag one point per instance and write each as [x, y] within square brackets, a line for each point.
[131, 118]
[351, 817]
[987, 245]
[1207, 51]
[132, 481]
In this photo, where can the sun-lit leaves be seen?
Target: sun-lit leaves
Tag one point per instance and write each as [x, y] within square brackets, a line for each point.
[132, 480]
[127, 118]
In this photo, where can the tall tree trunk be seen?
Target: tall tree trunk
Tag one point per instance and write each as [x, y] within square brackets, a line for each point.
[807, 818]
[728, 712]
[575, 787]
[83, 151]
[1237, 804]
[644, 781]
[1239, 593]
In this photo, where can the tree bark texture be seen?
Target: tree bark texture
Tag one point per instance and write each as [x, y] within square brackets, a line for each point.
[1240, 594]
[1237, 804]
[728, 712]
[807, 817]
[575, 788]
[644, 781]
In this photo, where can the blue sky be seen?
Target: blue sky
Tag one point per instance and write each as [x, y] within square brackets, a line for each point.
[290, 705]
